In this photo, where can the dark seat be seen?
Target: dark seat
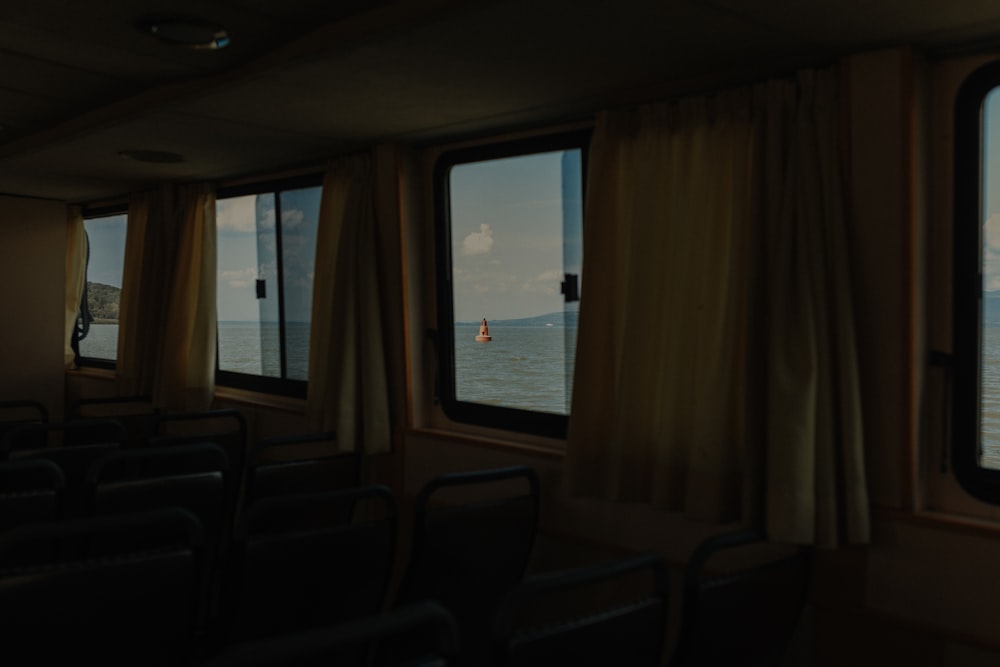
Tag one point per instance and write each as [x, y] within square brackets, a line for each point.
[118, 590]
[745, 616]
[613, 614]
[304, 561]
[226, 428]
[135, 413]
[30, 491]
[349, 644]
[75, 433]
[74, 461]
[469, 554]
[20, 411]
[308, 463]
[192, 477]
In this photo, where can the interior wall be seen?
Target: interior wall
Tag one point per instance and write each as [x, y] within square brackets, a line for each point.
[33, 274]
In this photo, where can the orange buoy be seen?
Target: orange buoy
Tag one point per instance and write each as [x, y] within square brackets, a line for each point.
[484, 333]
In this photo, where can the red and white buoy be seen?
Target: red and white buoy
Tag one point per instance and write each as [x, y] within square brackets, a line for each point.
[484, 333]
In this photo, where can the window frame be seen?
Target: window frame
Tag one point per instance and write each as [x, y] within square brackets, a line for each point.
[545, 424]
[88, 213]
[263, 384]
[979, 482]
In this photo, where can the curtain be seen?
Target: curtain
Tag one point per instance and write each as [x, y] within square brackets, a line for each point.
[166, 341]
[76, 276]
[716, 372]
[187, 370]
[348, 387]
[142, 307]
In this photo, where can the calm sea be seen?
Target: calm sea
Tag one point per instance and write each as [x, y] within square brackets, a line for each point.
[526, 367]
[240, 345]
[990, 420]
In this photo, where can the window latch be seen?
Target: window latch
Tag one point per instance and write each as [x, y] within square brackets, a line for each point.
[261, 289]
[570, 287]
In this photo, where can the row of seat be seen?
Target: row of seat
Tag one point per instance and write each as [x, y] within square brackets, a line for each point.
[311, 562]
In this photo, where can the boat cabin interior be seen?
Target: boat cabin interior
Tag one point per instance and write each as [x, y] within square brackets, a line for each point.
[769, 284]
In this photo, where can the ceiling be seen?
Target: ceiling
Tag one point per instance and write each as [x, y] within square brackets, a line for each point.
[306, 79]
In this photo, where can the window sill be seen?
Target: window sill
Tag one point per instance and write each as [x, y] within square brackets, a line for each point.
[94, 372]
[260, 400]
[956, 523]
[537, 447]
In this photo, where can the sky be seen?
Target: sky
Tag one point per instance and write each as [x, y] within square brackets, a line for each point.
[247, 246]
[510, 234]
[107, 249]
[507, 230]
[991, 195]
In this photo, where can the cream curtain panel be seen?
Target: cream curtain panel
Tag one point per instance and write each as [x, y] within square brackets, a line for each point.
[348, 390]
[187, 369]
[142, 307]
[166, 342]
[717, 373]
[76, 275]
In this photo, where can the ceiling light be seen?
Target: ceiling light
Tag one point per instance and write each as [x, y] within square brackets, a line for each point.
[190, 33]
[155, 157]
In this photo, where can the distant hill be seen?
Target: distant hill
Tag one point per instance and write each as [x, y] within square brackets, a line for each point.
[568, 318]
[103, 301]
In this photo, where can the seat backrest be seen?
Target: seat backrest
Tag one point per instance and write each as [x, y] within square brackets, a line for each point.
[136, 413]
[303, 561]
[73, 433]
[742, 616]
[74, 462]
[226, 428]
[16, 412]
[190, 476]
[89, 590]
[308, 463]
[349, 644]
[625, 628]
[31, 490]
[468, 556]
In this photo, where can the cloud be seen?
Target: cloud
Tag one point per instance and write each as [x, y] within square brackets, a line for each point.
[291, 218]
[546, 282]
[478, 243]
[236, 214]
[238, 278]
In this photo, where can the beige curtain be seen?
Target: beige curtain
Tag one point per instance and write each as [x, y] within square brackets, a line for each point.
[348, 390]
[76, 275]
[705, 331]
[142, 308]
[187, 365]
[166, 341]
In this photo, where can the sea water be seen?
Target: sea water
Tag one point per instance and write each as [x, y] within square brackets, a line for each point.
[527, 367]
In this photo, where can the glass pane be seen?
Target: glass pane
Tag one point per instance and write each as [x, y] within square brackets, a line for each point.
[990, 387]
[247, 297]
[513, 223]
[104, 282]
[299, 220]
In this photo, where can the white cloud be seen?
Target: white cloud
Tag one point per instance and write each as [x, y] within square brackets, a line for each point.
[236, 214]
[546, 282]
[478, 243]
[291, 219]
[239, 278]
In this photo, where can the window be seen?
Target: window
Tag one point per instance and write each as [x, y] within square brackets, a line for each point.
[510, 248]
[97, 327]
[266, 254]
[976, 343]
